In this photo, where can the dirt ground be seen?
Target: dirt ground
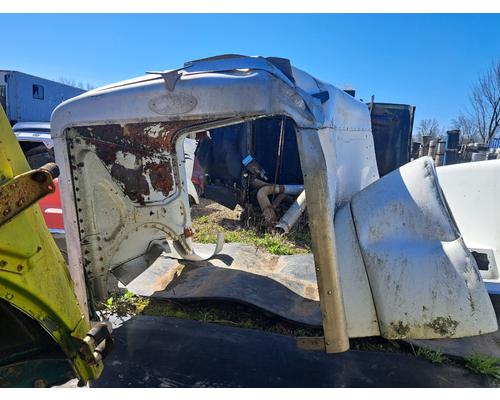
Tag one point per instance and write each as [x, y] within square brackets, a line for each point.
[210, 217]
[217, 213]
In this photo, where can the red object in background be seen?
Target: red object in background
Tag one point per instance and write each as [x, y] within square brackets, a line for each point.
[198, 177]
[52, 210]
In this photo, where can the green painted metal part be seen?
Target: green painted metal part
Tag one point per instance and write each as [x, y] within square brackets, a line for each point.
[34, 277]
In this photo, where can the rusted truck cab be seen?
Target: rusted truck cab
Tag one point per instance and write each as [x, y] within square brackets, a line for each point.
[386, 250]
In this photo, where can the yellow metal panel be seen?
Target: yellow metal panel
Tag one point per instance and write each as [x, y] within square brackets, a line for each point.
[33, 274]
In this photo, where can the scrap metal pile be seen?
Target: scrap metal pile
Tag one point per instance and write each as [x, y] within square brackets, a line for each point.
[256, 164]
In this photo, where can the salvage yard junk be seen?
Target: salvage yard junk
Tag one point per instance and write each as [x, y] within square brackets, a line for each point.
[450, 150]
[257, 163]
[389, 258]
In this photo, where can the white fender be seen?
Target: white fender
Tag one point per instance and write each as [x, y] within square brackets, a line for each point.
[424, 281]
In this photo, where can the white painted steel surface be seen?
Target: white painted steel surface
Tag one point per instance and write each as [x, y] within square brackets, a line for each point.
[424, 280]
[189, 156]
[358, 301]
[472, 191]
[33, 131]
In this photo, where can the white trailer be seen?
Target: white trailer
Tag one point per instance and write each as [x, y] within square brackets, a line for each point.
[30, 98]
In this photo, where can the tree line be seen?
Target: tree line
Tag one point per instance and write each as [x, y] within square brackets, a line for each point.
[74, 83]
[480, 120]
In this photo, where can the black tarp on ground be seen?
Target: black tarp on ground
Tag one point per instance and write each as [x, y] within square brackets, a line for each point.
[168, 352]
[284, 286]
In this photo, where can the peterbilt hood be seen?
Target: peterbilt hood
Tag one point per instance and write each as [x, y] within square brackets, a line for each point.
[125, 200]
[123, 181]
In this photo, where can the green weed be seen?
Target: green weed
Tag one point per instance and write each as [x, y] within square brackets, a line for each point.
[484, 365]
[434, 356]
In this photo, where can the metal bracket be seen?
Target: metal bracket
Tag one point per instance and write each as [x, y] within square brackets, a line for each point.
[181, 253]
[97, 343]
[170, 77]
[24, 190]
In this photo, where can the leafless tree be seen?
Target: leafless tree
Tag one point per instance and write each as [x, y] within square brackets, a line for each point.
[79, 84]
[482, 116]
[429, 127]
[468, 129]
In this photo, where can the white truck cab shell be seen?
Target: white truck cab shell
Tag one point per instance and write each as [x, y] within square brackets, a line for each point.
[124, 193]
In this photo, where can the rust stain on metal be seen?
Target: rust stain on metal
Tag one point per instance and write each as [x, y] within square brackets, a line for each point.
[106, 152]
[24, 190]
[161, 176]
[188, 232]
[143, 139]
[150, 143]
[159, 135]
[135, 185]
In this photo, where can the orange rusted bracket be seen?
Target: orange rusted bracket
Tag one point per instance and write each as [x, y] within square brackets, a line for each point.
[26, 189]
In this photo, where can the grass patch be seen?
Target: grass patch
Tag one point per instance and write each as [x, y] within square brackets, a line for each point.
[434, 356]
[376, 343]
[206, 232]
[484, 365]
[235, 315]
[121, 304]
[229, 314]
